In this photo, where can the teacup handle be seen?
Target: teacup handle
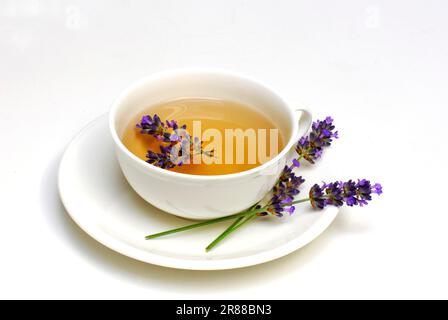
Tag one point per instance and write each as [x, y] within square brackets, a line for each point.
[305, 119]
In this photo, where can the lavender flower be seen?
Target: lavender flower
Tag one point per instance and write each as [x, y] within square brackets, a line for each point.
[317, 197]
[174, 140]
[334, 194]
[349, 192]
[196, 148]
[284, 192]
[288, 184]
[287, 187]
[377, 188]
[155, 127]
[340, 193]
[321, 135]
[161, 159]
[151, 125]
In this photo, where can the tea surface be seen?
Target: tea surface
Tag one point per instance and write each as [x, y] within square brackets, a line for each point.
[212, 114]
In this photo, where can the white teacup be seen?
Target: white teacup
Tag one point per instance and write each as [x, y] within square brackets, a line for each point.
[196, 196]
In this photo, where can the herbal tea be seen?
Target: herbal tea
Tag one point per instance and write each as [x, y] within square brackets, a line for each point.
[231, 137]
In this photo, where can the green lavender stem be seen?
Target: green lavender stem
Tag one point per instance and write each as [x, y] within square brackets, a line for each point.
[217, 220]
[235, 226]
[232, 226]
[200, 224]
[297, 201]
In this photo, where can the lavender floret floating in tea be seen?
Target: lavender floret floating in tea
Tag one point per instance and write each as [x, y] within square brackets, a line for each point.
[174, 139]
[281, 198]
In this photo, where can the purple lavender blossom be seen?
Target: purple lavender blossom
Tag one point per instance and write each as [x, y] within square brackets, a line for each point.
[155, 127]
[283, 193]
[349, 193]
[151, 125]
[321, 135]
[364, 191]
[172, 124]
[377, 188]
[334, 194]
[295, 163]
[162, 159]
[340, 193]
[316, 195]
[172, 138]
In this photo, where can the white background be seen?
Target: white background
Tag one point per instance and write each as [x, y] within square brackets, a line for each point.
[378, 67]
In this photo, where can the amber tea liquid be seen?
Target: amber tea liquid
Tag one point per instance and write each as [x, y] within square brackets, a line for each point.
[212, 114]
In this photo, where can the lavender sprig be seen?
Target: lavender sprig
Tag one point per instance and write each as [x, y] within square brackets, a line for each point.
[174, 141]
[339, 193]
[283, 192]
[311, 147]
[287, 187]
[162, 159]
[319, 198]
[162, 131]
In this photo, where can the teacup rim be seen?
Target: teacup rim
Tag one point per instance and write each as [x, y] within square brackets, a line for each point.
[186, 71]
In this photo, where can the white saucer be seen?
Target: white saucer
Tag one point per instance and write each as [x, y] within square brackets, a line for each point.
[101, 202]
